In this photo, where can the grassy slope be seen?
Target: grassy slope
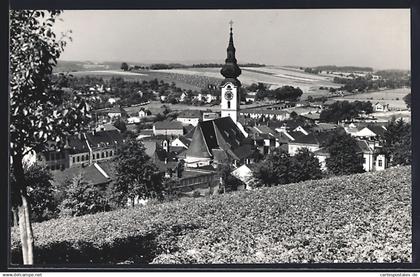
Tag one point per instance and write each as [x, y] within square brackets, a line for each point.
[359, 218]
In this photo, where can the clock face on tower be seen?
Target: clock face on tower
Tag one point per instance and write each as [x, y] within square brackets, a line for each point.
[228, 95]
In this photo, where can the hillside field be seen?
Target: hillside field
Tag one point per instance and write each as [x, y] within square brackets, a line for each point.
[393, 97]
[198, 78]
[362, 218]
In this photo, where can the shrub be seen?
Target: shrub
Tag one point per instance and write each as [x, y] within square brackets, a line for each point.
[356, 218]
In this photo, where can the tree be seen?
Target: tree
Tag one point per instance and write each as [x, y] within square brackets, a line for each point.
[274, 169]
[137, 176]
[229, 182]
[40, 193]
[120, 125]
[397, 142]
[38, 112]
[344, 158]
[304, 166]
[83, 198]
[124, 66]
[407, 100]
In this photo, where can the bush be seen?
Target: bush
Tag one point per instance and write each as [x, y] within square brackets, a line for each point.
[348, 219]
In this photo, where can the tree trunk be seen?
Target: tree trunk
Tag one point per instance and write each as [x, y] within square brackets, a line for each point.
[25, 227]
[26, 235]
[15, 217]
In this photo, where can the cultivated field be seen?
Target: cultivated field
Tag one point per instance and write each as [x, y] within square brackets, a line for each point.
[393, 97]
[198, 78]
[362, 218]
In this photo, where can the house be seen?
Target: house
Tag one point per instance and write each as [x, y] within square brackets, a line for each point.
[209, 115]
[218, 141]
[145, 133]
[197, 181]
[133, 120]
[82, 149]
[189, 117]
[113, 100]
[170, 128]
[144, 112]
[312, 117]
[181, 141]
[116, 112]
[312, 141]
[323, 127]
[380, 107]
[264, 113]
[245, 173]
[95, 174]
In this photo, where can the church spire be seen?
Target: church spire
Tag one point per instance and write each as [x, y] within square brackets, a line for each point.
[231, 69]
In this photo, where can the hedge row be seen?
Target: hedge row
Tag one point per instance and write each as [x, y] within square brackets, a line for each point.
[358, 218]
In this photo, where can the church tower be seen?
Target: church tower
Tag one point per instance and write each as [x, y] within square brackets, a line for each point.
[230, 86]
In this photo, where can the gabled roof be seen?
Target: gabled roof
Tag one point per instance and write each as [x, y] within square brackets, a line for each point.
[362, 146]
[185, 140]
[93, 174]
[378, 130]
[221, 133]
[77, 145]
[190, 114]
[168, 125]
[104, 138]
[312, 138]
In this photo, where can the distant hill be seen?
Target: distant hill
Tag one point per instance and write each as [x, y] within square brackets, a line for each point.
[362, 218]
[342, 68]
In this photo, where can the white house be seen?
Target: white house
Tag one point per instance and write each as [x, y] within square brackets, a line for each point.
[144, 112]
[189, 117]
[380, 107]
[246, 175]
[181, 142]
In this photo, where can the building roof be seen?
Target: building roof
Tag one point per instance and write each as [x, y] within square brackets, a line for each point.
[104, 138]
[378, 130]
[77, 145]
[185, 140]
[168, 125]
[190, 114]
[94, 174]
[362, 146]
[264, 111]
[264, 129]
[221, 133]
[312, 138]
[198, 147]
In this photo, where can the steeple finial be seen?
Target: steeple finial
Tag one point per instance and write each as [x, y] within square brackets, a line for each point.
[231, 24]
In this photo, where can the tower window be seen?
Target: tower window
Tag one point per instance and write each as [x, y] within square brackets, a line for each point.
[228, 104]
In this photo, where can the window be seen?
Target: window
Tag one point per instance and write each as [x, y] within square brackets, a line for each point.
[380, 163]
[228, 104]
[78, 158]
[106, 154]
[74, 159]
[83, 158]
[103, 155]
[97, 155]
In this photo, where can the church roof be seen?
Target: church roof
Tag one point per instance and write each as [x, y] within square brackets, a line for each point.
[198, 147]
[219, 134]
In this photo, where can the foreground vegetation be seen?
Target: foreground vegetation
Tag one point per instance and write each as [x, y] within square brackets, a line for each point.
[357, 218]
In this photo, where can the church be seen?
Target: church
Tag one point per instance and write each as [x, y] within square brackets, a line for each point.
[223, 140]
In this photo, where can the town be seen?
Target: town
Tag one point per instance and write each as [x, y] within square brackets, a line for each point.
[192, 147]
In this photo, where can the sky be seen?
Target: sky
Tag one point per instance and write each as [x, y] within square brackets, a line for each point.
[379, 38]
